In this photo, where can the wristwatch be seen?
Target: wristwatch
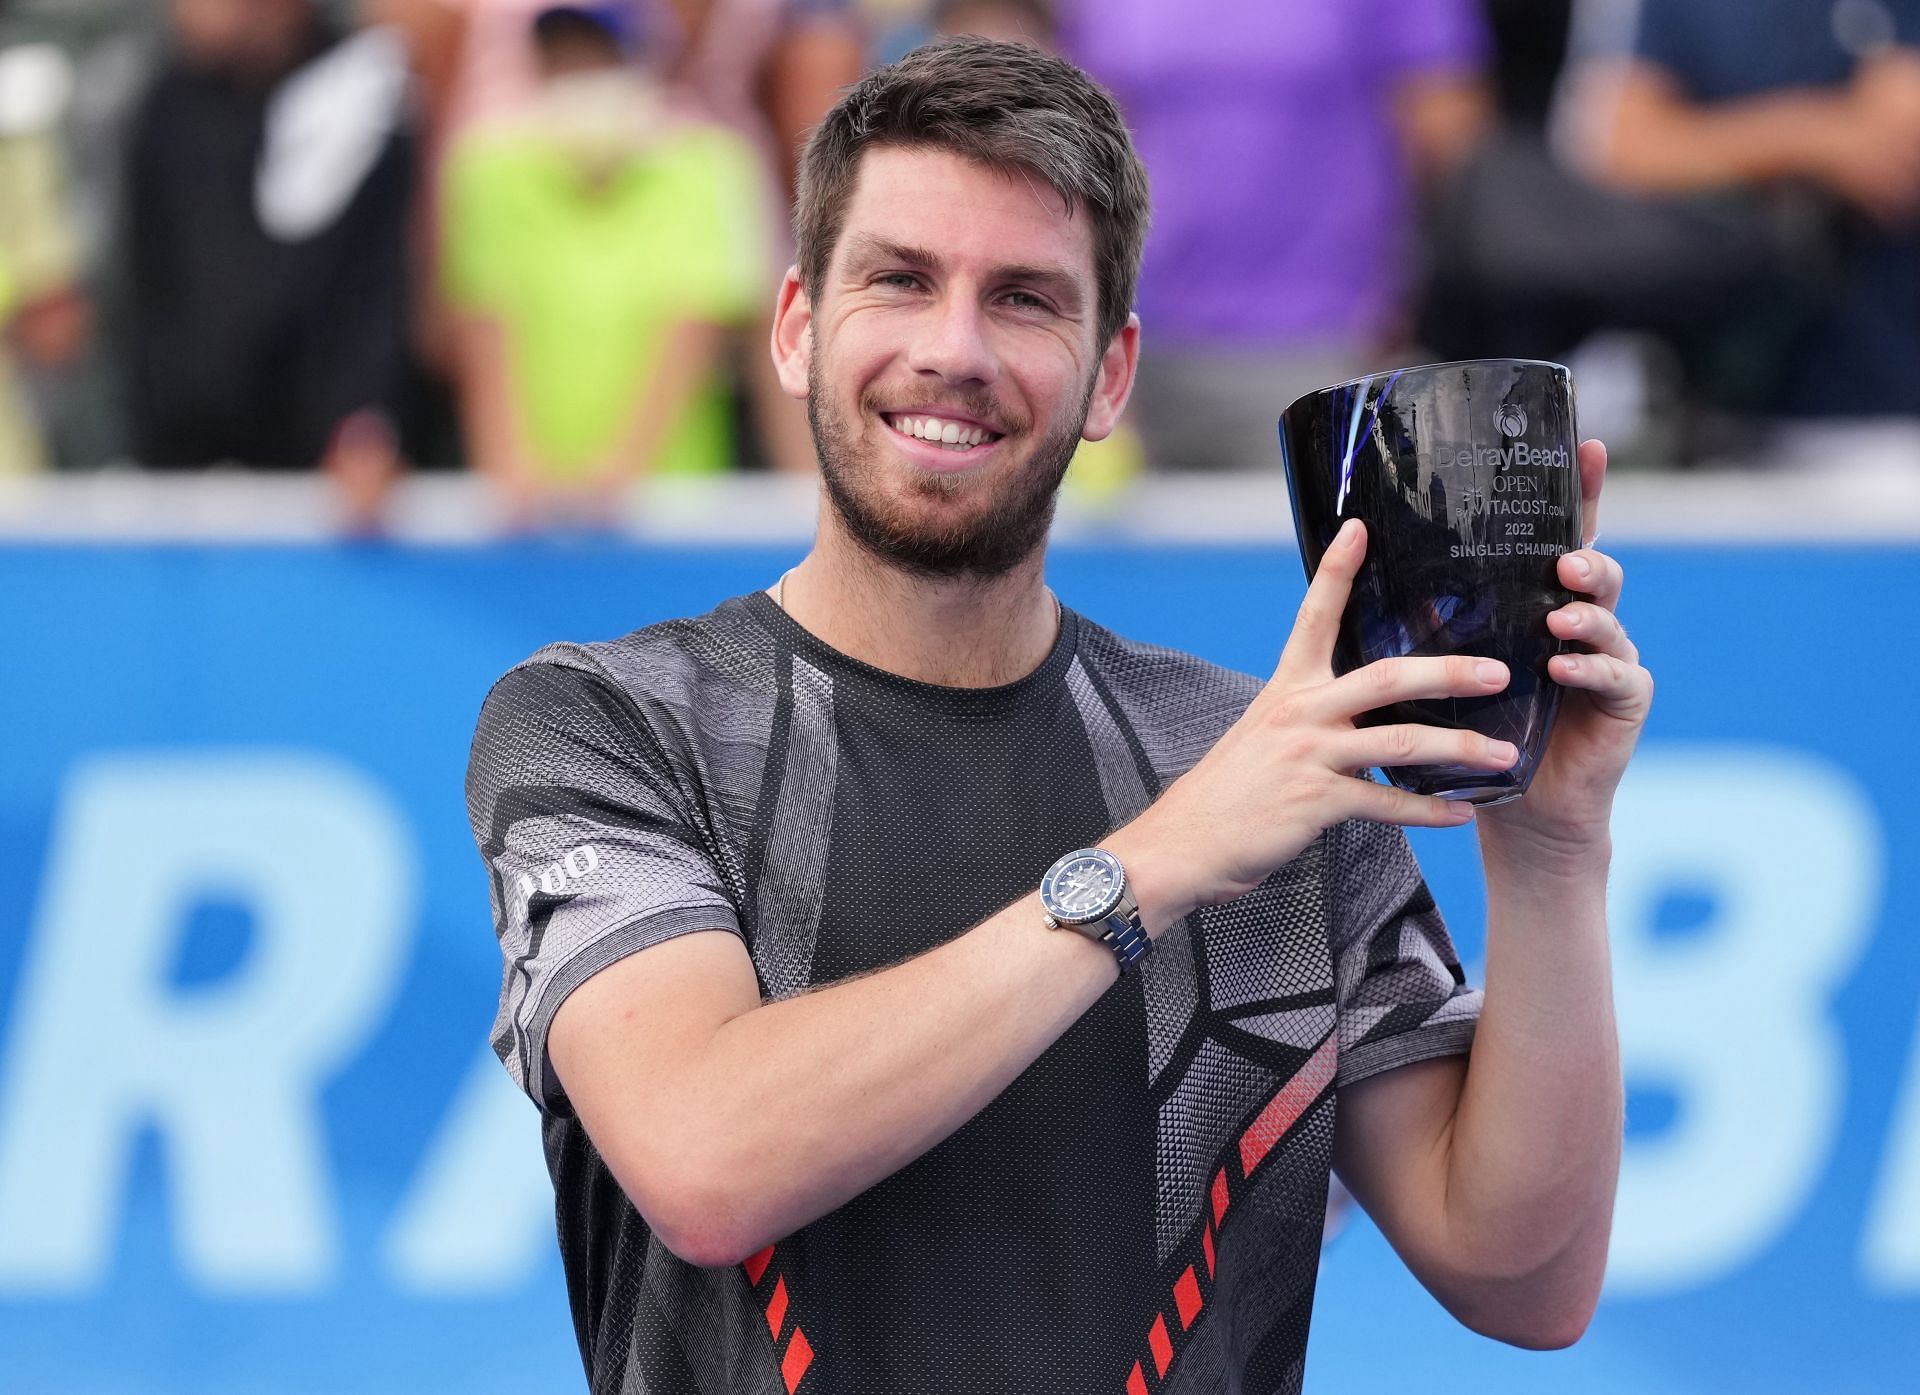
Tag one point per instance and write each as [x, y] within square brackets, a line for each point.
[1087, 891]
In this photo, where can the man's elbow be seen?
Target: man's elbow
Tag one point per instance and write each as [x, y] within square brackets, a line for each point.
[1524, 1314]
[697, 1219]
[1546, 1331]
[703, 1247]
[1545, 1308]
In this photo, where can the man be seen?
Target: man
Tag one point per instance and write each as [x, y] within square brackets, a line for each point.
[828, 1104]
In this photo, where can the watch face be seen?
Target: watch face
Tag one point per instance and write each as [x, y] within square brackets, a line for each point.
[1082, 885]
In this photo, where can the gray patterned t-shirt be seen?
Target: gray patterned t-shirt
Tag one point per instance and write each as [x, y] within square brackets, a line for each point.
[1141, 1209]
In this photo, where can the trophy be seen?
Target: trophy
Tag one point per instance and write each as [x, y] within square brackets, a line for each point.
[1464, 474]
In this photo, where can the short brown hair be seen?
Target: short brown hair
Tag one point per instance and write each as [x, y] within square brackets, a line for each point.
[1004, 105]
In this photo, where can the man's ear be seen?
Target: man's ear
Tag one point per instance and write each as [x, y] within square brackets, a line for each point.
[793, 335]
[1114, 382]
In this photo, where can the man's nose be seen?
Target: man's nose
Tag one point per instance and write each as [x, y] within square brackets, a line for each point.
[951, 340]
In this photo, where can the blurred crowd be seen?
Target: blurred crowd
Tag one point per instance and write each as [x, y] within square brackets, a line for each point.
[540, 242]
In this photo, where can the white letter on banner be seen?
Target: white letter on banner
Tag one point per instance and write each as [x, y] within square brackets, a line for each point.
[230, 1073]
[479, 1216]
[1890, 1246]
[1734, 1017]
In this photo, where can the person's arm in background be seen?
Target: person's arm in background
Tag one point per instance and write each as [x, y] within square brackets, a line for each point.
[44, 313]
[489, 406]
[435, 32]
[1632, 125]
[689, 358]
[719, 259]
[368, 331]
[1440, 104]
[1431, 57]
[474, 271]
[819, 51]
[1442, 117]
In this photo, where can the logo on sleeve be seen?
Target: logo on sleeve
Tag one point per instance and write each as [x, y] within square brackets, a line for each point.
[555, 877]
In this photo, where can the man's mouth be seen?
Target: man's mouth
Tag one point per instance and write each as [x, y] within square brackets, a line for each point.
[945, 432]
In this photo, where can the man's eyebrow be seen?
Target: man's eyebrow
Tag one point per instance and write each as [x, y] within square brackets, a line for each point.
[1057, 282]
[867, 249]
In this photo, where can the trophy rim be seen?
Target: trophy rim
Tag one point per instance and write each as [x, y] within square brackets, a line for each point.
[1361, 378]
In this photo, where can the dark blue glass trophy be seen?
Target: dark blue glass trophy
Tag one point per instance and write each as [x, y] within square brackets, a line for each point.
[1465, 476]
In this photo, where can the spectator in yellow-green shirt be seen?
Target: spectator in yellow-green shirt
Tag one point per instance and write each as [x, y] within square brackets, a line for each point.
[42, 315]
[598, 247]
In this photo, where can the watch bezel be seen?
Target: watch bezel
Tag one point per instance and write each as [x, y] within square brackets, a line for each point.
[1051, 902]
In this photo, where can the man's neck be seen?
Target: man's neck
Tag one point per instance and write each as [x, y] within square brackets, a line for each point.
[961, 633]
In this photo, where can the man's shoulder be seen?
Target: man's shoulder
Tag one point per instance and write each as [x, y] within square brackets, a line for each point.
[1163, 690]
[1137, 661]
[693, 667]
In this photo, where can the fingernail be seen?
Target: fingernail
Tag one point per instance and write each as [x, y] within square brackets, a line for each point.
[1504, 750]
[1462, 811]
[1572, 664]
[1582, 567]
[1489, 671]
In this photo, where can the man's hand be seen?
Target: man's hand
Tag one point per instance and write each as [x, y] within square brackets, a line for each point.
[1294, 763]
[1570, 800]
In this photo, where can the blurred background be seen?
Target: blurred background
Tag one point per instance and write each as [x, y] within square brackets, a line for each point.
[350, 351]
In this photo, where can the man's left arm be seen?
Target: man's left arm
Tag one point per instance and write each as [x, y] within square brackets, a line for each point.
[1493, 1175]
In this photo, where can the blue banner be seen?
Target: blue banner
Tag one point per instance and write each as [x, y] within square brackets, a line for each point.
[252, 1138]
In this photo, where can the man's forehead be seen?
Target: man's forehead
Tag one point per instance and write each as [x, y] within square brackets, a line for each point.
[958, 211]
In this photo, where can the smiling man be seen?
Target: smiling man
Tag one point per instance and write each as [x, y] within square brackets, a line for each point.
[925, 988]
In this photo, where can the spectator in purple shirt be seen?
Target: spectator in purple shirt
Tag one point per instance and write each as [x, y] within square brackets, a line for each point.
[1286, 143]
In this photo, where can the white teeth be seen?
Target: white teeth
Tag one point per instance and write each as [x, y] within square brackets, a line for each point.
[934, 431]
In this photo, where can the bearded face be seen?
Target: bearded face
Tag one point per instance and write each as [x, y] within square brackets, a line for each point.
[949, 362]
[941, 525]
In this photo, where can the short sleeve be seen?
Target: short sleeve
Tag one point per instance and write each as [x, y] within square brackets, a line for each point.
[591, 852]
[1400, 995]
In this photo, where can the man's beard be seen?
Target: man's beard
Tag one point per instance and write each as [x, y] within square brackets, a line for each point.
[981, 546]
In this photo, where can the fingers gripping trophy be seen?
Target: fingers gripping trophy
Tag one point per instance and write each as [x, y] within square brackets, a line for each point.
[1446, 517]
[1458, 632]
[1464, 478]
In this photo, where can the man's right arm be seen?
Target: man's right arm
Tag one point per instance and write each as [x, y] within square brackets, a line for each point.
[730, 1124]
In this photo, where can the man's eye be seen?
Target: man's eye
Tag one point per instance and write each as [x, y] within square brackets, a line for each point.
[1024, 300]
[899, 280]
